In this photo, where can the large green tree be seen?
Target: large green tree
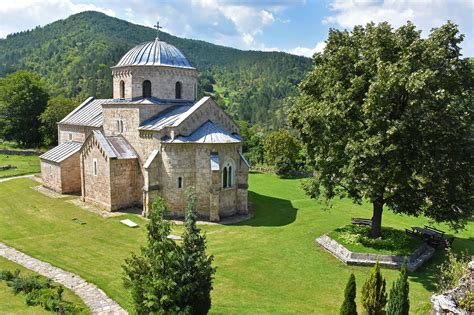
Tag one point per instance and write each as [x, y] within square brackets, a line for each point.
[387, 116]
[58, 107]
[22, 99]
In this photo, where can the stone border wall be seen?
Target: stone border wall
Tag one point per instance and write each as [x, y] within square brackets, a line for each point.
[20, 152]
[415, 260]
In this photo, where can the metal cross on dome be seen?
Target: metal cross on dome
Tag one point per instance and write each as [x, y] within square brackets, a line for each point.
[157, 29]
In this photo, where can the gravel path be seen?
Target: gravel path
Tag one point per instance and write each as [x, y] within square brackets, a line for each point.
[15, 177]
[93, 297]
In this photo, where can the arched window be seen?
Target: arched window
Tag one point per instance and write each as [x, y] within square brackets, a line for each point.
[146, 89]
[228, 175]
[178, 88]
[224, 178]
[122, 89]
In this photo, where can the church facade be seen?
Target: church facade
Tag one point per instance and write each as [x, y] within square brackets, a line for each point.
[153, 138]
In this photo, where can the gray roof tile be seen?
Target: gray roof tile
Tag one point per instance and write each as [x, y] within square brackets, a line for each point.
[207, 133]
[61, 152]
[89, 113]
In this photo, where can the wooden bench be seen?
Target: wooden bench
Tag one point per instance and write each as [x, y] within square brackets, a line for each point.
[361, 221]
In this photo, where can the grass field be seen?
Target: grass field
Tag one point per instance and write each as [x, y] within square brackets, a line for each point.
[23, 165]
[15, 304]
[269, 264]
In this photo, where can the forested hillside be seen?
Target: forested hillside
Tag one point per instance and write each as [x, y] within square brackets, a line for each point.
[74, 56]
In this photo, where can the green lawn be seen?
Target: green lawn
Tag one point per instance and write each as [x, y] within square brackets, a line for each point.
[23, 165]
[269, 264]
[15, 304]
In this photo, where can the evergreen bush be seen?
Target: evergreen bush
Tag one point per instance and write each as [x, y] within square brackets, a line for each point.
[374, 296]
[349, 306]
[399, 303]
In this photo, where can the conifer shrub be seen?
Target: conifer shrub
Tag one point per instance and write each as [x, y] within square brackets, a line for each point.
[374, 296]
[399, 303]
[349, 306]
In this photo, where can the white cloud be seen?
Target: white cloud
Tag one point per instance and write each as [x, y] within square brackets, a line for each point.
[425, 14]
[27, 14]
[306, 51]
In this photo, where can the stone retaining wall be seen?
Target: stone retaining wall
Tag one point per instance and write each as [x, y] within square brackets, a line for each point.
[20, 152]
[447, 303]
[415, 260]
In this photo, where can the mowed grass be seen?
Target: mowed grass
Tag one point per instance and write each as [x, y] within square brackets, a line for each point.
[267, 265]
[15, 304]
[23, 165]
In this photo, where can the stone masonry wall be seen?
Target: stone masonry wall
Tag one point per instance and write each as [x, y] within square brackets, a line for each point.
[126, 191]
[51, 175]
[96, 189]
[191, 162]
[162, 78]
[208, 111]
[71, 174]
[78, 133]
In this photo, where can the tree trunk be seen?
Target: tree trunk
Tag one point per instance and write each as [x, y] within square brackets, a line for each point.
[377, 219]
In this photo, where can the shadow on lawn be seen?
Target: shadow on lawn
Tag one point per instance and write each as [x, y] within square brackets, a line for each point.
[270, 211]
[428, 275]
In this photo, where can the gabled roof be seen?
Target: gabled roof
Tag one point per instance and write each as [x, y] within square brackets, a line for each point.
[207, 133]
[61, 152]
[116, 147]
[149, 101]
[164, 119]
[89, 113]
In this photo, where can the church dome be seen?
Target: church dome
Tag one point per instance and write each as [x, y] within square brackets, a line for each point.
[154, 53]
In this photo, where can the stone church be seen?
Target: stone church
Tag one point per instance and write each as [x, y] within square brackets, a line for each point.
[153, 138]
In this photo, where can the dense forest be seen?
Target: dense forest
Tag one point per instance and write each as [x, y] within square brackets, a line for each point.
[73, 57]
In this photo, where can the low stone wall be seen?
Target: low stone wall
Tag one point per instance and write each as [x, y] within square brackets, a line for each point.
[415, 260]
[446, 303]
[20, 152]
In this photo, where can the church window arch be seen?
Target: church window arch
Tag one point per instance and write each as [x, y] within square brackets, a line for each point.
[228, 174]
[122, 89]
[146, 89]
[178, 90]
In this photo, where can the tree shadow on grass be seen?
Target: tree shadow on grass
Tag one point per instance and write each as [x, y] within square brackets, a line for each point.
[428, 274]
[270, 211]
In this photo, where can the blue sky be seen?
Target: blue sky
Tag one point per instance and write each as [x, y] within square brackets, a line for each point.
[295, 26]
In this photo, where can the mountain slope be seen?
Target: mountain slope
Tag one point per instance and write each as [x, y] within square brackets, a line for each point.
[74, 57]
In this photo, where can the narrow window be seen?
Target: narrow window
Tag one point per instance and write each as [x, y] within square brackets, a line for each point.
[146, 89]
[195, 91]
[180, 182]
[121, 126]
[118, 126]
[229, 178]
[122, 89]
[70, 136]
[224, 178]
[178, 88]
[95, 167]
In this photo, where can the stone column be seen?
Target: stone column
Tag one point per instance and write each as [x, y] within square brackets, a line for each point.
[214, 192]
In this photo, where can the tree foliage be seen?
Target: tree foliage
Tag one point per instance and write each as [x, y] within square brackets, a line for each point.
[374, 296]
[22, 99]
[399, 302]
[387, 116]
[281, 149]
[349, 306]
[57, 108]
[197, 271]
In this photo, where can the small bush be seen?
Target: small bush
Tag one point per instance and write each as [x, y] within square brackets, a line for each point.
[39, 292]
[467, 303]
[374, 296]
[349, 306]
[356, 238]
[451, 271]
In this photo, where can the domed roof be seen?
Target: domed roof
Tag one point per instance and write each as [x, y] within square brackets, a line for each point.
[154, 53]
